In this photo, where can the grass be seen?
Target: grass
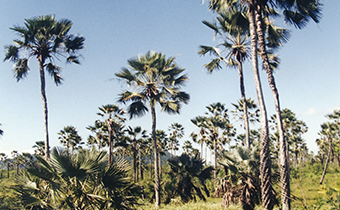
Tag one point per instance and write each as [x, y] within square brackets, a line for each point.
[310, 177]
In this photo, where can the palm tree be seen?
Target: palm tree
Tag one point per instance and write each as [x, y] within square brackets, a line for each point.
[46, 39]
[219, 128]
[257, 34]
[135, 146]
[329, 131]
[187, 147]
[235, 50]
[39, 148]
[184, 171]
[69, 137]
[114, 120]
[80, 181]
[201, 136]
[177, 132]
[156, 80]
[100, 134]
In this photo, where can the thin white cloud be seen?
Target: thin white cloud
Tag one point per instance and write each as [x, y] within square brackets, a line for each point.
[308, 112]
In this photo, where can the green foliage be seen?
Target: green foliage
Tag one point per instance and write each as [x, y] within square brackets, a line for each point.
[187, 178]
[8, 197]
[77, 181]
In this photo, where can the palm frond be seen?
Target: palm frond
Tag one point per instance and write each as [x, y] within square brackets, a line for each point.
[137, 109]
[54, 71]
[21, 69]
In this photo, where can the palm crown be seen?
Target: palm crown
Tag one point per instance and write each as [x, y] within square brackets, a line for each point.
[44, 38]
[156, 80]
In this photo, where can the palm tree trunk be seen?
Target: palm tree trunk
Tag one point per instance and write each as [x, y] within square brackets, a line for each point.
[327, 160]
[265, 168]
[109, 123]
[284, 169]
[244, 100]
[150, 167]
[202, 150]
[140, 164]
[160, 166]
[157, 181]
[134, 160]
[44, 100]
[215, 160]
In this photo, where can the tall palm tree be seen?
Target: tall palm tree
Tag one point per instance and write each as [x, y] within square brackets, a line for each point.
[69, 137]
[47, 40]
[297, 13]
[114, 120]
[235, 50]
[156, 80]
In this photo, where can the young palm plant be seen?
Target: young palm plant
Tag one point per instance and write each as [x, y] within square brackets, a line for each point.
[78, 181]
[156, 80]
[46, 39]
[188, 177]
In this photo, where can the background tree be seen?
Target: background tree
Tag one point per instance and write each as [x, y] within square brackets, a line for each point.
[69, 137]
[136, 135]
[329, 131]
[100, 137]
[176, 133]
[39, 148]
[113, 119]
[201, 136]
[46, 39]
[156, 80]
[219, 128]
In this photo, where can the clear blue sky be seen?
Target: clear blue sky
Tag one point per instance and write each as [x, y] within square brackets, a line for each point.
[116, 31]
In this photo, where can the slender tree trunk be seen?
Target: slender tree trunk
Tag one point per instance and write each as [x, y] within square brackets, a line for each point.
[215, 160]
[327, 160]
[150, 167]
[140, 164]
[202, 150]
[244, 100]
[109, 127]
[44, 100]
[283, 160]
[157, 181]
[265, 167]
[134, 160]
[160, 166]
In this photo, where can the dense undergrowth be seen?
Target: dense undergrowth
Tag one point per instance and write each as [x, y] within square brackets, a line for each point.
[306, 192]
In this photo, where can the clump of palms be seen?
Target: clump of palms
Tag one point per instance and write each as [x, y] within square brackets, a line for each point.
[79, 181]
[188, 177]
[241, 183]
